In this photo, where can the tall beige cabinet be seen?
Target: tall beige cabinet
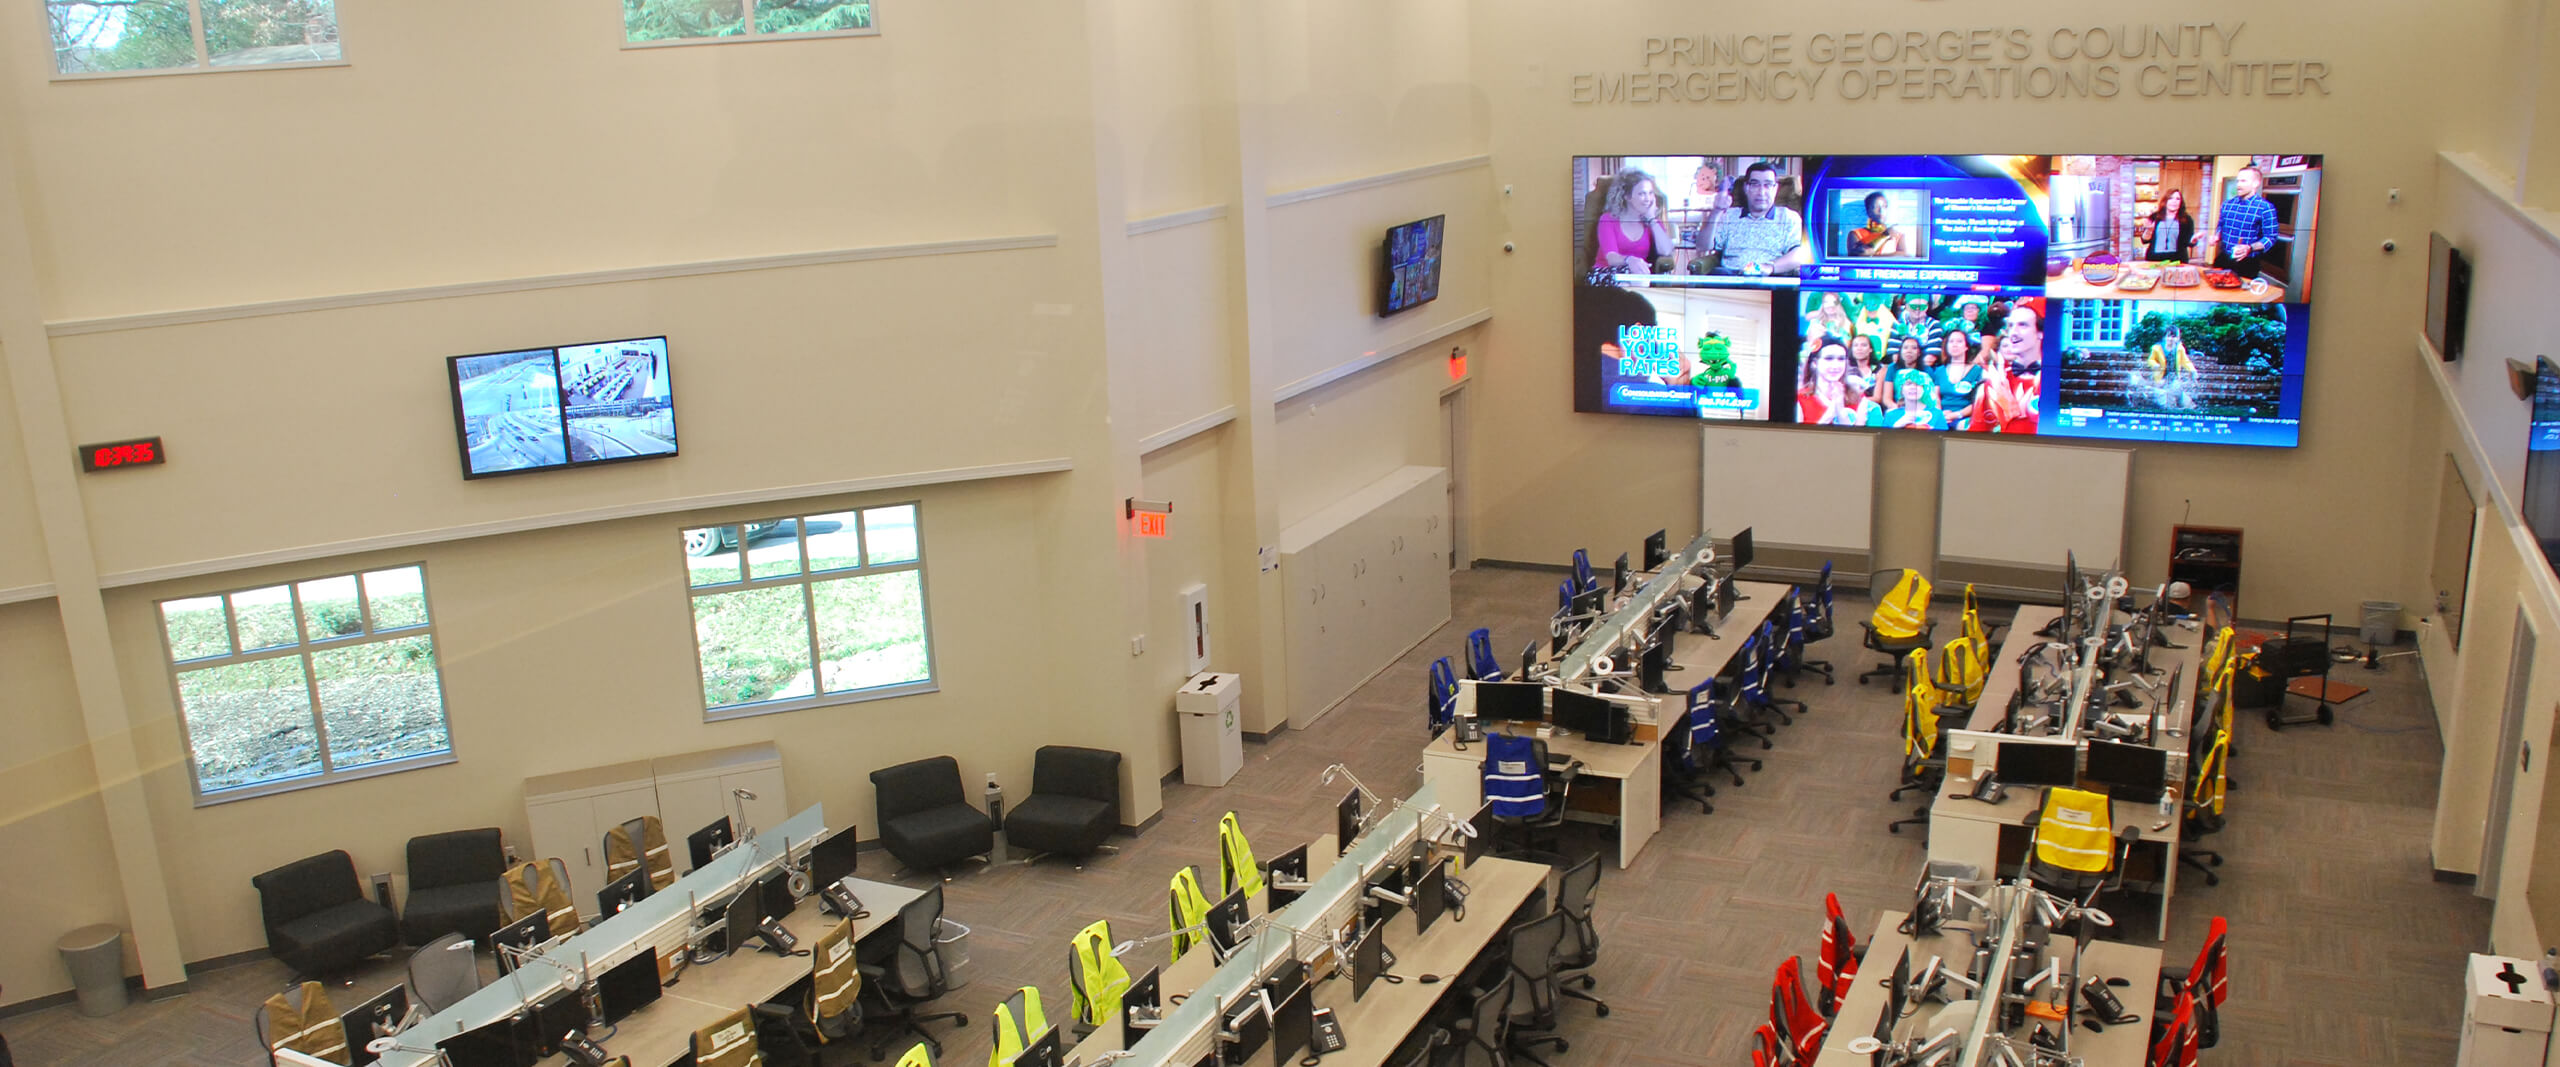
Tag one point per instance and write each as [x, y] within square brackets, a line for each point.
[568, 813]
[1367, 579]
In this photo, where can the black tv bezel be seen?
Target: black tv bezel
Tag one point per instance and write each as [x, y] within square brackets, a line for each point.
[462, 435]
[1387, 265]
[2448, 310]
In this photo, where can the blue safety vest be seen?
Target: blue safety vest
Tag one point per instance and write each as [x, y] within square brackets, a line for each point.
[1706, 725]
[1514, 781]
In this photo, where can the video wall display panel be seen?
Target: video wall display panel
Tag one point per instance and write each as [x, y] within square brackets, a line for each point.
[2134, 298]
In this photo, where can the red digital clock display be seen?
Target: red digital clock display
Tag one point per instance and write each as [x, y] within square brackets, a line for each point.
[137, 453]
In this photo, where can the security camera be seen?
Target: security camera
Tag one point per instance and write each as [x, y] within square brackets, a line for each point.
[2389, 245]
[1506, 247]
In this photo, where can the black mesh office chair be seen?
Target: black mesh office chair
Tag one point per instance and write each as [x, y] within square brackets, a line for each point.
[1477, 1039]
[1532, 947]
[1580, 950]
[911, 978]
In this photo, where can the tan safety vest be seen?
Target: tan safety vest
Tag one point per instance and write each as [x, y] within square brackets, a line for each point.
[1186, 907]
[1904, 609]
[835, 983]
[1098, 977]
[1018, 1020]
[302, 1019]
[621, 857]
[531, 887]
[1236, 869]
[731, 1042]
[2077, 832]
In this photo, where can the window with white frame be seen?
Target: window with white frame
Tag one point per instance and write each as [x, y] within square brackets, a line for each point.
[657, 22]
[303, 683]
[808, 610]
[105, 37]
[2095, 323]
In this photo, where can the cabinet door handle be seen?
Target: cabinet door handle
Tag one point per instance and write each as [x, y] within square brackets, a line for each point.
[591, 855]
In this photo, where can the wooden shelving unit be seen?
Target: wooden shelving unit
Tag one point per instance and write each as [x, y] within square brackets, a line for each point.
[2208, 559]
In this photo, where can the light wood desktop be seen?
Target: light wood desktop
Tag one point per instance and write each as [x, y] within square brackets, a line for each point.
[2116, 1046]
[1978, 833]
[662, 1033]
[1620, 784]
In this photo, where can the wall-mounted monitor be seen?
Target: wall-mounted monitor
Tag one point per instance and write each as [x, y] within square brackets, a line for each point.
[2541, 504]
[2136, 298]
[1410, 273]
[2448, 296]
[576, 405]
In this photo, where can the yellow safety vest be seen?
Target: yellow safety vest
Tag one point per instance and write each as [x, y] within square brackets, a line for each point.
[1960, 672]
[1236, 869]
[835, 983]
[1919, 708]
[2077, 832]
[1018, 1020]
[731, 1042]
[1098, 977]
[919, 1056]
[1905, 609]
[302, 1019]
[2214, 661]
[1186, 907]
[2207, 791]
[531, 887]
[1973, 628]
[623, 856]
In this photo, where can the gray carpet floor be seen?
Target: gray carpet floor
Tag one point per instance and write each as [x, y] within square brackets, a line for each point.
[2343, 949]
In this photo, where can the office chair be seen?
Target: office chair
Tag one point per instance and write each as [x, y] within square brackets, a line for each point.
[1440, 699]
[2077, 846]
[1707, 747]
[1973, 628]
[1580, 950]
[301, 1019]
[1799, 630]
[1481, 666]
[1482, 1037]
[1188, 910]
[637, 843]
[2174, 1035]
[1074, 806]
[2208, 980]
[442, 972]
[1900, 623]
[832, 1011]
[1958, 672]
[1095, 978]
[730, 1042]
[542, 886]
[1924, 743]
[1583, 580]
[2200, 811]
[914, 976]
[1767, 1049]
[1237, 869]
[1799, 1027]
[1525, 793]
[1759, 665]
[1532, 947]
[1837, 968]
[919, 1056]
[1017, 1020]
[317, 918]
[1683, 775]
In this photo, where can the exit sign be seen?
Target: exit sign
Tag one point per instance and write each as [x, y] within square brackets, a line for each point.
[1154, 524]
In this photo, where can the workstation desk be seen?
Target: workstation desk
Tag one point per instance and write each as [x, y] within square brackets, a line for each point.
[1619, 784]
[2126, 1045]
[1987, 836]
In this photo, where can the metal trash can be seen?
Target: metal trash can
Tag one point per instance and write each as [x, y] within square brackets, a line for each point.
[2381, 623]
[951, 939]
[95, 957]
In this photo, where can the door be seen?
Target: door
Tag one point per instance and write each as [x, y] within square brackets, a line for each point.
[2502, 785]
[1453, 452]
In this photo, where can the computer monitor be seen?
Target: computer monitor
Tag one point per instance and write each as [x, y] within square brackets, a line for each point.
[374, 1018]
[1741, 549]
[1481, 841]
[1146, 995]
[1702, 605]
[1528, 658]
[520, 935]
[630, 986]
[739, 919]
[623, 892]
[708, 840]
[1897, 997]
[1726, 594]
[1290, 866]
[2038, 763]
[1390, 878]
[1591, 716]
[1653, 667]
[1346, 821]
[773, 896]
[1618, 578]
[505, 1043]
[1293, 1024]
[1044, 1051]
[1430, 896]
[1249, 1017]
[1509, 702]
[563, 1012]
[832, 860]
[2129, 771]
[1657, 549]
[1368, 960]
[1226, 918]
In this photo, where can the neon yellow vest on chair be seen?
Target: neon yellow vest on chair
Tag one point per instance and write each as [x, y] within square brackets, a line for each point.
[1236, 869]
[1098, 977]
[1903, 611]
[1186, 907]
[2077, 832]
[1014, 1034]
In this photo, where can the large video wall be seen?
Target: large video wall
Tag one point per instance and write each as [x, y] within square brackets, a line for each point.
[2131, 298]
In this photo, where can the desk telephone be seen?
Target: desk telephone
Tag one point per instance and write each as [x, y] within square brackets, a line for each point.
[1328, 1037]
[582, 1052]
[777, 937]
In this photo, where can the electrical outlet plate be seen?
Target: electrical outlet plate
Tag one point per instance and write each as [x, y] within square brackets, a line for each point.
[1138, 645]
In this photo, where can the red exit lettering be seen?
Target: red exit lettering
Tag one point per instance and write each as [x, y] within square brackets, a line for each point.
[1153, 524]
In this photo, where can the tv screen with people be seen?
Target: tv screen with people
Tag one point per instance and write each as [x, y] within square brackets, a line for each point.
[1411, 276]
[2131, 298]
[572, 406]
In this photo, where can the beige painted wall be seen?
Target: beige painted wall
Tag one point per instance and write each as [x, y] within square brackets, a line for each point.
[523, 140]
[1165, 112]
[1325, 261]
[50, 817]
[22, 554]
[2378, 130]
[1347, 434]
[1363, 88]
[1192, 474]
[1181, 356]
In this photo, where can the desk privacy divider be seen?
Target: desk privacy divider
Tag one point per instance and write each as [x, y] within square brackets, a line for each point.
[1190, 1030]
[1609, 634]
[662, 921]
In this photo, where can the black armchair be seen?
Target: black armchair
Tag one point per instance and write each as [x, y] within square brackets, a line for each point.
[925, 820]
[318, 920]
[457, 885]
[1074, 804]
